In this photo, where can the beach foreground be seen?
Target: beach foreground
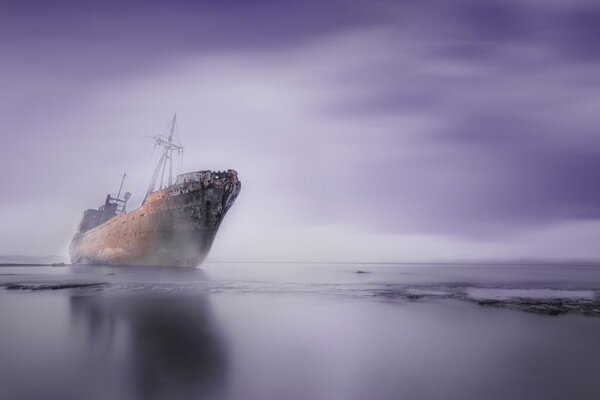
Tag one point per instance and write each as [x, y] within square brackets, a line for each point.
[300, 331]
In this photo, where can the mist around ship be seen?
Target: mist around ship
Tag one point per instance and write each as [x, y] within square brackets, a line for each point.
[419, 216]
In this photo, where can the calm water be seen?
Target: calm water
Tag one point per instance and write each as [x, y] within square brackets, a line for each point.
[297, 331]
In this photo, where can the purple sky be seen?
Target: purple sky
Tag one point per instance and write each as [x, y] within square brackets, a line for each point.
[361, 130]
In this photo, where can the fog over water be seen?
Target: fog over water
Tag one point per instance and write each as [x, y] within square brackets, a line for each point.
[299, 331]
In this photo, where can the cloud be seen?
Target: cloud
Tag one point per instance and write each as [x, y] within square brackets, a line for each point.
[461, 123]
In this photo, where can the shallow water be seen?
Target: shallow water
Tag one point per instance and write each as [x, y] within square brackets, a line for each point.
[299, 331]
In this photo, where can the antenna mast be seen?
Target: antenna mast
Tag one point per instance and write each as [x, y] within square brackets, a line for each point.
[121, 187]
[168, 145]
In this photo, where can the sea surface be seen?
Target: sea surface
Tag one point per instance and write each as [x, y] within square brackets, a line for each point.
[300, 331]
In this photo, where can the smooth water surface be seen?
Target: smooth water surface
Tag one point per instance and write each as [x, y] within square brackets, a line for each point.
[297, 331]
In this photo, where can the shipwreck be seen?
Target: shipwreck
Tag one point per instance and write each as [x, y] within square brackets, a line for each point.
[175, 225]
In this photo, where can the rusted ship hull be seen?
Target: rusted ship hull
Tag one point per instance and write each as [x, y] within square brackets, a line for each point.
[175, 226]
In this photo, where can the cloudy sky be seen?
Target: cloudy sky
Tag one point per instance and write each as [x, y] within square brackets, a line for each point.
[362, 130]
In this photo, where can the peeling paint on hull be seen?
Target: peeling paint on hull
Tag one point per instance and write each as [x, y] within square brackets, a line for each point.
[174, 227]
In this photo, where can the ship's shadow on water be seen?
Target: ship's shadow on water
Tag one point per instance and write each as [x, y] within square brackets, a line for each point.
[149, 346]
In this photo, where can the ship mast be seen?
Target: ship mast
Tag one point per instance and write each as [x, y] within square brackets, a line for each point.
[121, 187]
[168, 145]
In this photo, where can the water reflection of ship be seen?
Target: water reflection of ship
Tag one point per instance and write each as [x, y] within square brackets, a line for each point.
[150, 347]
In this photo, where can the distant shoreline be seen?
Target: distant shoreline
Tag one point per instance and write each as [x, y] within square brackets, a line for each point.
[424, 263]
[421, 263]
[32, 265]
[23, 265]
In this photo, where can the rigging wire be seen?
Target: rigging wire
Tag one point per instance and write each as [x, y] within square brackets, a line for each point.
[165, 159]
[179, 151]
[135, 195]
[179, 161]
